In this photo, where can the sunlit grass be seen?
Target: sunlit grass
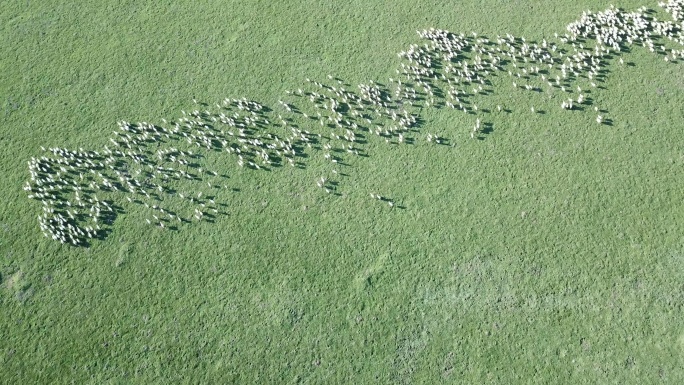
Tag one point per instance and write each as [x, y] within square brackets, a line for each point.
[551, 251]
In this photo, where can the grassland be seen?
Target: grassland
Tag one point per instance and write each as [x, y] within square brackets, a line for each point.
[551, 251]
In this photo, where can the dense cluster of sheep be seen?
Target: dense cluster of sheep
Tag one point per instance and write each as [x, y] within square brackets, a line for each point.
[78, 189]
[453, 70]
[64, 219]
[81, 191]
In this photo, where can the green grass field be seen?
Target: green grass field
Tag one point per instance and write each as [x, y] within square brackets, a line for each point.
[550, 252]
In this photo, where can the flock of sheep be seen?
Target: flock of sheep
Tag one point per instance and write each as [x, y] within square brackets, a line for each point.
[82, 191]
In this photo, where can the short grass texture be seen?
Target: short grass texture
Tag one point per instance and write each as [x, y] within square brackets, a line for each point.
[549, 252]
